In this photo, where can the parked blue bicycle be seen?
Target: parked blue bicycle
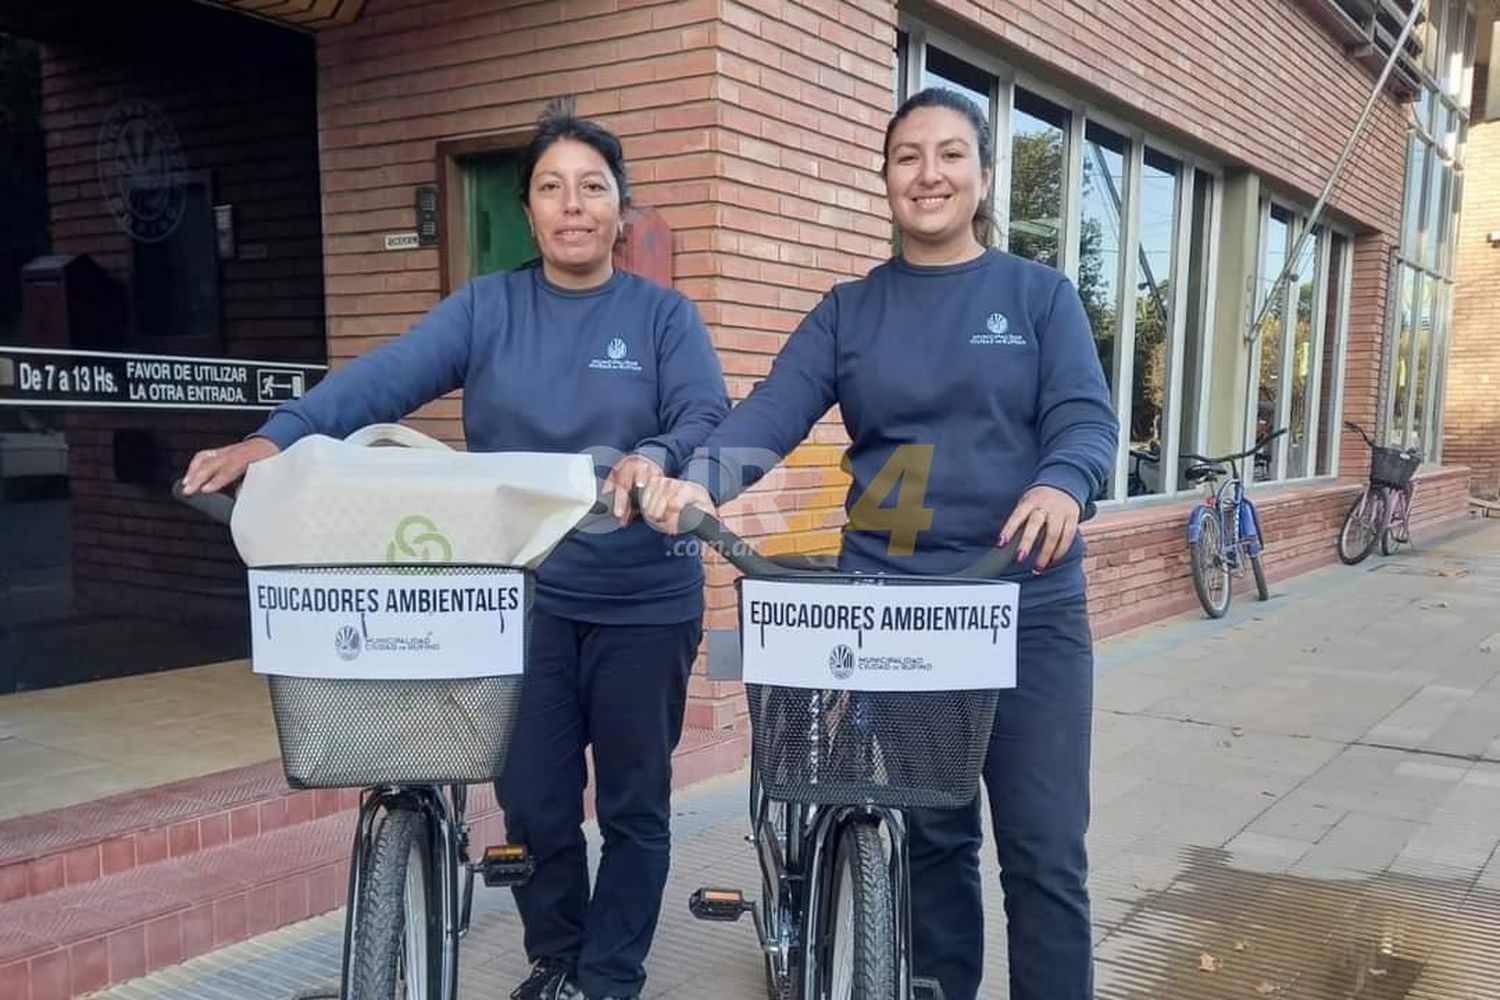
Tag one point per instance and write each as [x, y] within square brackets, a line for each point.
[1224, 535]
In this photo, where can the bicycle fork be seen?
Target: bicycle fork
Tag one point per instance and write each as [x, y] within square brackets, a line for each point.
[445, 836]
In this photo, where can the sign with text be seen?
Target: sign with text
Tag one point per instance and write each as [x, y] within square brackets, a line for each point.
[32, 377]
[891, 637]
[387, 626]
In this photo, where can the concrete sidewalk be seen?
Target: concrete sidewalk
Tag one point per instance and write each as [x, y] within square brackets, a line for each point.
[1300, 801]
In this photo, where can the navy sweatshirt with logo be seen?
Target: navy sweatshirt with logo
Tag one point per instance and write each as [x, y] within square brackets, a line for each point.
[960, 386]
[625, 367]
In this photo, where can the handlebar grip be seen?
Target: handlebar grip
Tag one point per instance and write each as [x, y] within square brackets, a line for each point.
[214, 506]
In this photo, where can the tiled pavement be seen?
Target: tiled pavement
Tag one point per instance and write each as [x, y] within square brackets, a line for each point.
[1299, 801]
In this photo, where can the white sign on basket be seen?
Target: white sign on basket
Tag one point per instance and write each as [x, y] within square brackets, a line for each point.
[387, 626]
[889, 637]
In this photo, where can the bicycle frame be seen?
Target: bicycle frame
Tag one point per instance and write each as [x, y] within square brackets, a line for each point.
[1226, 498]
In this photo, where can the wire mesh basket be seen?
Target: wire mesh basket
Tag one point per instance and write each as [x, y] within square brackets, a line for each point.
[903, 749]
[1392, 467]
[337, 733]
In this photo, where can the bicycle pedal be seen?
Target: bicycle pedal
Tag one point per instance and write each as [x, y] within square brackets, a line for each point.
[725, 905]
[507, 864]
[923, 988]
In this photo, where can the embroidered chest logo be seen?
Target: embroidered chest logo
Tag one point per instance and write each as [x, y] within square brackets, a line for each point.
[999, 333]
[617, 358]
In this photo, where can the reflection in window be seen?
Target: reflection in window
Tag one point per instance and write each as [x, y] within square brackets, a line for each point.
[1416, 180]
[1037, 173]
[1332, 324]
[1421, 360]
[943, 70]
[1153, 320]
[1196, 322]
[1400, 373]
[1100, 238]
[1433, 209]
[1304, 282]
[1272, 330]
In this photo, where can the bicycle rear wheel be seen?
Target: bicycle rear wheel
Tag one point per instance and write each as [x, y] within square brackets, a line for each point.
[1363, 526]
[859, 961]
[1398, 526]
[394, 942]
[1206, 560]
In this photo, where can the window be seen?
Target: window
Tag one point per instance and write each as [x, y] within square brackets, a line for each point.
[1132, 222]
[1038, 174]
[174, 281]
[1434, 197]
[1298, 350]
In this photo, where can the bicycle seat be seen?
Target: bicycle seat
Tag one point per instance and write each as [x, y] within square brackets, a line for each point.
[1202, 472]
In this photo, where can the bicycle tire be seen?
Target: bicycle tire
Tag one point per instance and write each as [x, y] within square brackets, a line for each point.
[381, 940]
[1262, 591]
[862, 891]
[1203, 552]
[1391, 538]
[1349, 554]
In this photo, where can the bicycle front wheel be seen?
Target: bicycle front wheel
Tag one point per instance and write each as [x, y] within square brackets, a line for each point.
[1262, 591]
[393, 939]
[859, 961]
[1363, 526]
[1209, 568]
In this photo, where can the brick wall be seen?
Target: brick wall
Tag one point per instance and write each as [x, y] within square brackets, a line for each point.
[241, 97]
[1471, 428]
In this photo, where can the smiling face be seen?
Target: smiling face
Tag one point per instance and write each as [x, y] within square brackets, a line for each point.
[573, 204]
[935, 182]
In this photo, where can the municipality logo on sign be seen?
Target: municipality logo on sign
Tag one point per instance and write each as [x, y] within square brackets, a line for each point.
[617, 358]
[841, 662]
[999, 332]
[346, 643]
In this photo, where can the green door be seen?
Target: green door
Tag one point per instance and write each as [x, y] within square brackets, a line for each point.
[499, 238]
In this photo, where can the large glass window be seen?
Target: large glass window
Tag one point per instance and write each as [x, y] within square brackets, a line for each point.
[1298, 351]
[1038, 174]
[1101, 240]
[1132, 223]
[1417, 344]
[1197, 322]
[1157, 225]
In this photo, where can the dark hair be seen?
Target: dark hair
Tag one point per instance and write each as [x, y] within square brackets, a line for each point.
[558, 121]
[942, 97]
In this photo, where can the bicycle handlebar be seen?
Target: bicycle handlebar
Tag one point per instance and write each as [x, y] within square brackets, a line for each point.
[1360, 431]
[1243, 454]
[740, 554]
[214, 506]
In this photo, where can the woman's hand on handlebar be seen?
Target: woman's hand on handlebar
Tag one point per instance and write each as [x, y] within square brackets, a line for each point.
[664, 501]
[629, 472]
[212, 470]
[1043, 509]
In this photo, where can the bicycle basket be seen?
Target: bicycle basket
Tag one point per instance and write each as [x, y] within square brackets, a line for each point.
[903, 749]
[357, 733]
[1392, 467]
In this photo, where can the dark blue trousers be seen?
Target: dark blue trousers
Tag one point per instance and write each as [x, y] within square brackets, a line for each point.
[1037, 776]
[620, 689]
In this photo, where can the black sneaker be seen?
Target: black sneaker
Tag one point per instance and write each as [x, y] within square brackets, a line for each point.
[548, 976]
[572, 991]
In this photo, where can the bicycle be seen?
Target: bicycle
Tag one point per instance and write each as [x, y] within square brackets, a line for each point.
[1224, 532]
[412, 746]
[1383, 508]
[832, 771]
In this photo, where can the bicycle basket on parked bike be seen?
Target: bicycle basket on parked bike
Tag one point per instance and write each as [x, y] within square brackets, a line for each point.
[904, 740]
[1392, 467]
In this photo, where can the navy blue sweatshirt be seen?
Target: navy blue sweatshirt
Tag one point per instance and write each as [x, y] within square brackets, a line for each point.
[960, 386]
[624, 367]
